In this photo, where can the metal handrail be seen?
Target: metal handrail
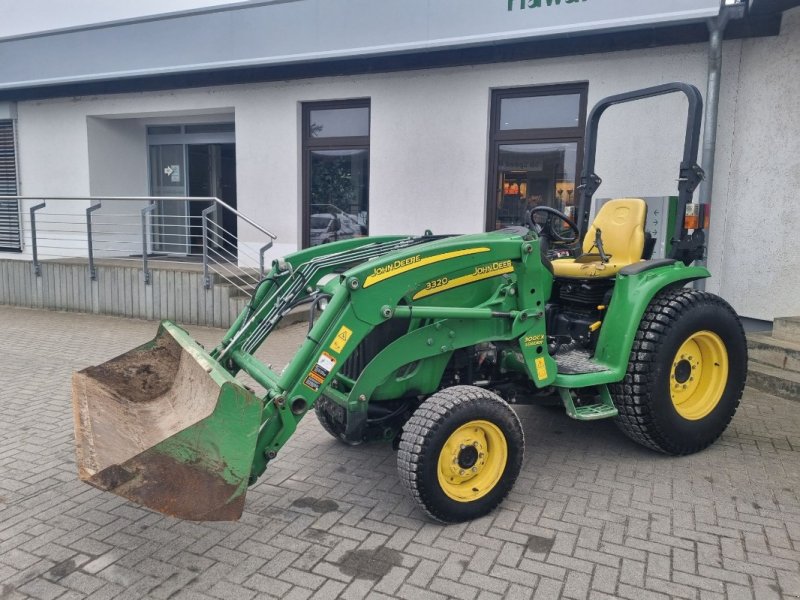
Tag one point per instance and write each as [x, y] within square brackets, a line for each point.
[37, 269]
[206, 276]
[216, 200]
[147, 210]
[89, 211]
[214, 236]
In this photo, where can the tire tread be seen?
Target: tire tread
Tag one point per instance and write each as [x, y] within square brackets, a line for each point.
[632, 394]
[416, 440]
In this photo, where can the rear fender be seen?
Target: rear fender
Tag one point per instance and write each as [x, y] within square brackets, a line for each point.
[632, 294]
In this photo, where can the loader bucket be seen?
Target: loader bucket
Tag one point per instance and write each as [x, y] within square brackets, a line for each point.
[165, 426]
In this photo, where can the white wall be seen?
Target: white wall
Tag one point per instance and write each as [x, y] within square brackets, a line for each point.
[52, 161]
[429, 147]
[117, 167]
[117, 157]
[756, 212]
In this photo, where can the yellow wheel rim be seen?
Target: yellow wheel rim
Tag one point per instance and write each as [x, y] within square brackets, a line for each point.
[698, 375]
[472, 461]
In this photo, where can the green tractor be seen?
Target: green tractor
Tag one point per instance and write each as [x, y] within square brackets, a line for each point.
[424, 342]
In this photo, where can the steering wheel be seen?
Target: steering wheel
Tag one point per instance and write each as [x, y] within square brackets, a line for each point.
[546, 228]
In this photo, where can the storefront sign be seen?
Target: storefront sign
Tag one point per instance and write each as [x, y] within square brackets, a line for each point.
[523, 4]
[485, 20]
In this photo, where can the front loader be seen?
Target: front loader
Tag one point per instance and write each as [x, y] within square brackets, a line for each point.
[425, 342]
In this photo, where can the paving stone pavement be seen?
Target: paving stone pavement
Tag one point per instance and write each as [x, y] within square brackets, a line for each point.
[592, 515]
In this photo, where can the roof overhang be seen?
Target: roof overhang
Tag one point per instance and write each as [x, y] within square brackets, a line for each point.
[291, 38]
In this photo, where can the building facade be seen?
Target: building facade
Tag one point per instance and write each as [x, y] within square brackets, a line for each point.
[322, 121]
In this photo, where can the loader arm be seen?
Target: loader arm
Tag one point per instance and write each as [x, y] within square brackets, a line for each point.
[291, 281]
[407, 284]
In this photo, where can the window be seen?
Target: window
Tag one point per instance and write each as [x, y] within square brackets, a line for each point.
[536, 151]
[335, 171]
[10, 233]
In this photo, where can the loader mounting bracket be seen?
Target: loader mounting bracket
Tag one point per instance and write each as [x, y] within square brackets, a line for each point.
[691, 176]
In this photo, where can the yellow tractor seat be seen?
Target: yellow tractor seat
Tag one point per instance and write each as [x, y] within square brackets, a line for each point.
[621, 223]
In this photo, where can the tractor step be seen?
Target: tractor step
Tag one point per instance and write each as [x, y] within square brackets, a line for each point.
[575, 362]
[591, 412]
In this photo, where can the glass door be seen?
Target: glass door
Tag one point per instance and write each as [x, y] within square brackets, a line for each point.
[171, 219]
[212, 173]
[195, 160]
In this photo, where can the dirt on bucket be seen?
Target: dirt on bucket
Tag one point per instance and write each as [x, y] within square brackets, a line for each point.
[140, 376]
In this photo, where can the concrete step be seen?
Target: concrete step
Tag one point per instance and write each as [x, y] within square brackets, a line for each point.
[240, 291]
[244, 281]
[775, 352]
[778, 382]
[787, 328]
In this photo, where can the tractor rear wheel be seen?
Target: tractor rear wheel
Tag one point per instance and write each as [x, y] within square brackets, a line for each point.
[460, 453]
[686, 373]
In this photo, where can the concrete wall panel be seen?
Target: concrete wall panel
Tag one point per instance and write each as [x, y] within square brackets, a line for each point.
[755, 238]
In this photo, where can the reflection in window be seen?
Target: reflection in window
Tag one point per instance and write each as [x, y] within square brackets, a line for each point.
[336, 171]
[339, 122]
[339, 195]
[535, 175]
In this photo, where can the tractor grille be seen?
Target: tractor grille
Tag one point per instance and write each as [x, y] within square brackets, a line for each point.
[383, 335]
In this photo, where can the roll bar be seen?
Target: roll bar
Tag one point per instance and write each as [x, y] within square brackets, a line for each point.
[685, 247]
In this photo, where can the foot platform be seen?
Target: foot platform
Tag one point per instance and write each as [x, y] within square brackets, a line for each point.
[589, 412]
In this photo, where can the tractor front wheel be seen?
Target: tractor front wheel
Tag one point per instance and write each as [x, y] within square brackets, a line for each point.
[460, 453]
[686, 373]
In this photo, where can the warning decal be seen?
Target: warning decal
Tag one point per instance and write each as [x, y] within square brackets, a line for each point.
[313, 382]
[324, 365]
[321, 370]
[541, 368]
[340, 341]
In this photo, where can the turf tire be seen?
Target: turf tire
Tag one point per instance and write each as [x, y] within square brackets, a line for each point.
[646, 411]
[425, 434]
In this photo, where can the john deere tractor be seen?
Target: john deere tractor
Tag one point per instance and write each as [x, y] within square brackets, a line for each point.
[424, 342]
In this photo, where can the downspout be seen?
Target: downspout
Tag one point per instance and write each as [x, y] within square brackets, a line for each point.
[716, 30]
